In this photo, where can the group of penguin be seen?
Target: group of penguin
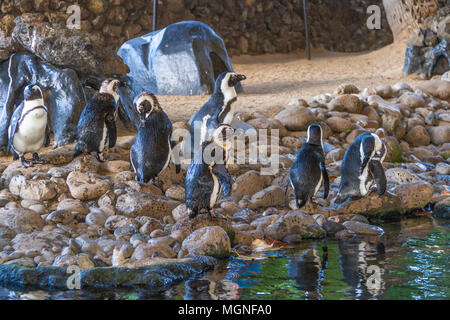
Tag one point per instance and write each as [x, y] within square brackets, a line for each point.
[205, 179]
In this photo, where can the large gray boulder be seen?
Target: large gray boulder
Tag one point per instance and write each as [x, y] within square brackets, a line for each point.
[184, 58]
[64, 95]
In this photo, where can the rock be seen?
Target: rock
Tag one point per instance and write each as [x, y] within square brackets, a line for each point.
[335, 155]
[340, 124]
[351, 103]
[346, 88]
[176, 192]
[439, 135]
[149, 226]
[437, 88]
[186, 226]
[418, 136]
[372, 205]
[332, 227]
[114, 166]
[60, 216]
[412, 100]
[414, 195]
[401, 176]
[135, 204]
[21, 220]
[394, 152]
[296, 118]
[146, 251]
[74, 206]
[345, 235]
[270, 197]
[442, 209]
[244, 215]
[64, 107]
[6, 233]
[86, 186]
[38, 240]
[32, 189]
[209, 241]
[363, 228]
[114, 222]
[96, 218]
[180, 212]
[63, 47]
[247, 184]
[295, 222]
[194, 74]
[442, 168]
[84, 163]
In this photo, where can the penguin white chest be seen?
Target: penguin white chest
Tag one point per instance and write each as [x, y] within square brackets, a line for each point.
[30, 135]
[104, 140]
[318, 184]
[215, 191]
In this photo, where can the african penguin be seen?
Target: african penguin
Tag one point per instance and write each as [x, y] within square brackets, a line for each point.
[220, 103]
[308, 171]
[96, 129]
[111, 86]
[29, 127]
[206, 178]
[362, 164]
[152, 149]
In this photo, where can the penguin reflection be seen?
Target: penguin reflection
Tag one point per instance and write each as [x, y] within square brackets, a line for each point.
[356, 258]
[308, 271]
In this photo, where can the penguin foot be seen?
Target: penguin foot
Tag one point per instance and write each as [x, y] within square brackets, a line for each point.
[25, 163]
[37, 159]
[100, 157]
[212, 213]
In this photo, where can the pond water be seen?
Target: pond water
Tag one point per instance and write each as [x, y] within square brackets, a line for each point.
[410, 262]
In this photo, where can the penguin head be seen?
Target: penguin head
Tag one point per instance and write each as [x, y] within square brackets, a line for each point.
[32, 92]
[222, 136]
[145, 104]
[315, 134]
[227, 80]
[111, 86]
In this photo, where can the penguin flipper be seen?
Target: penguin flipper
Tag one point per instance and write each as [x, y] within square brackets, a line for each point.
[326, 180]
[112, 129]
[377, 170]
[366, 150]
[224, 177]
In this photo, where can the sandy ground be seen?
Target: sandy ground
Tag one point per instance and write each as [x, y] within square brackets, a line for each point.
[273, 80]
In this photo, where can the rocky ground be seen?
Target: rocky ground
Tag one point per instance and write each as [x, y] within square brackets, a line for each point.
[90, 214]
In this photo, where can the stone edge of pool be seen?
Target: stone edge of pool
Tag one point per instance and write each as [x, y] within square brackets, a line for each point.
[156, 277]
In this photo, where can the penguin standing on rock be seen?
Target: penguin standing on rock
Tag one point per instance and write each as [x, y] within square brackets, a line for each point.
[361, 166]
[152, 149]
[206, 178]
[28, 130]
[221, 102]
[308, 171]
[96, 129]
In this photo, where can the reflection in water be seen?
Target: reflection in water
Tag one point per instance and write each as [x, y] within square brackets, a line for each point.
[409, 262]
[307, 270]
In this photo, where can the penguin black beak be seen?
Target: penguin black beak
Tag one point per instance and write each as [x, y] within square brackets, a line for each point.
[235, 79]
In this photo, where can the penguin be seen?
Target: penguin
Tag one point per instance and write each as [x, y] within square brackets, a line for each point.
[220, 102]
[308, 172]
[29, 127]
[111, 86]
[96, 129]
[152, 150]
[207, 178]
[361, 166]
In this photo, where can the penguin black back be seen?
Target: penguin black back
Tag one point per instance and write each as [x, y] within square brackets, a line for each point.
[98, 115]
[308, 171]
